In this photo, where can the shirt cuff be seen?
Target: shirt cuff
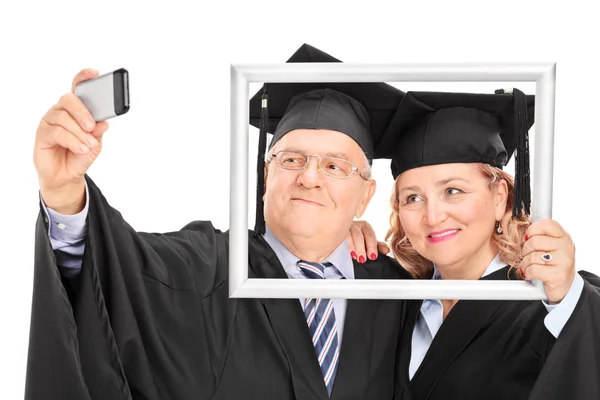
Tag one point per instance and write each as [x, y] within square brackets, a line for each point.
[67, 228]
[559, 314]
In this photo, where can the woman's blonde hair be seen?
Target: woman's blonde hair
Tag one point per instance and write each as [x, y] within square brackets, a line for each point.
[508, 243]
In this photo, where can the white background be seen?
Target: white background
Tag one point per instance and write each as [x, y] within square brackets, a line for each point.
[166, 162]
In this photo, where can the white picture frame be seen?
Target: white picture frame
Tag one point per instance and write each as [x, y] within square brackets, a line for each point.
[240, 286]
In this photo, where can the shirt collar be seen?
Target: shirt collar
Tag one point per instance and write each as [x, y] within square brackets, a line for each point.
[494, 266]
[340, 257]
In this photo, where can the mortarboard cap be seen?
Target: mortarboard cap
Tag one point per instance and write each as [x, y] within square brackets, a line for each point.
[432, 128]
[361, 110]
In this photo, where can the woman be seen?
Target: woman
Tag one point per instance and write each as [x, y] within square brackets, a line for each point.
[457, 215]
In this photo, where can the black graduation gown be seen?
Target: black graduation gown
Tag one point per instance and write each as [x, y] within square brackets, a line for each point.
[151, 319]
[572, 370]
[488, 349]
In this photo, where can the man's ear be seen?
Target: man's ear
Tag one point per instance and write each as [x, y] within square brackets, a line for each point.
[265, 181]
[368, 192]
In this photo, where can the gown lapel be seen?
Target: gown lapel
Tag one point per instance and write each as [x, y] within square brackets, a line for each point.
[404, 350]
[289, 325]
[462, 324]
[355, 355]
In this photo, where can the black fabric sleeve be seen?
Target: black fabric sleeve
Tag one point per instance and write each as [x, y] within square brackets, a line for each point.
[139, 323]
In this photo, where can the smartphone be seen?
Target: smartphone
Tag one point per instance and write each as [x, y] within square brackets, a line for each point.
[106, 96]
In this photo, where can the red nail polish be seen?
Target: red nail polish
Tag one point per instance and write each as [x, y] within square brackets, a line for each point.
[362, 259]
[353, 255]
[373, 256]
[526, 237]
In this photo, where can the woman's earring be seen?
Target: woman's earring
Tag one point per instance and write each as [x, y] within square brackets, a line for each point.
[498, 227]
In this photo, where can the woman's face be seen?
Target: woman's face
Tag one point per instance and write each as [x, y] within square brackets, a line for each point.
[449, 214]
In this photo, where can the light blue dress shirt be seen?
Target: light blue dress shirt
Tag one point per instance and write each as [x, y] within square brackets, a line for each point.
[67, 237]
[431, 315]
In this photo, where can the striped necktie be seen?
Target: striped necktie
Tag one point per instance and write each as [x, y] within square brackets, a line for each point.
[320, 318]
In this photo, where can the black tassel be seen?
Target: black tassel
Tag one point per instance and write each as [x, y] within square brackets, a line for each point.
[522, 202]
[259, 224]
[523, 195]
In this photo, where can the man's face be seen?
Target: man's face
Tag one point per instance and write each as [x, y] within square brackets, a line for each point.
[307, 204]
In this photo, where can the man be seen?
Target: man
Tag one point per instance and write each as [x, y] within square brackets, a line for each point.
[132, 315]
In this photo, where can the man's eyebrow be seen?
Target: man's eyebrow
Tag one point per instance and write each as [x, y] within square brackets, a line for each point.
[338, 155]
[345, 156]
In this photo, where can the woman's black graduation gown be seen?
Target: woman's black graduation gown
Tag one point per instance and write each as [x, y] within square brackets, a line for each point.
[152, 320]
[488, 350]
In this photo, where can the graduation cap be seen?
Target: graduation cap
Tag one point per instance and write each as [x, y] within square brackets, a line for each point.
[361, 110]
[432, 128]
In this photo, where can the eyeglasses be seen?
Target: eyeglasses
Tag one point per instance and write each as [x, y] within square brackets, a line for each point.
[329, 166]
